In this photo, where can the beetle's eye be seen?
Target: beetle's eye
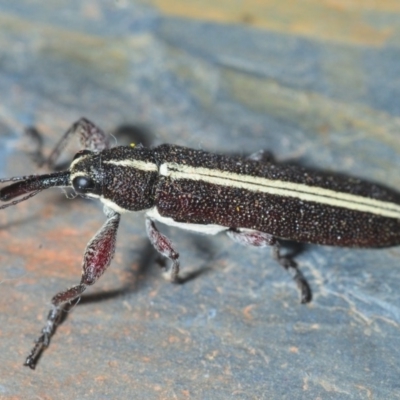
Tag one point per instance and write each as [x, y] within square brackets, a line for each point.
[83, 184]
[81, 153]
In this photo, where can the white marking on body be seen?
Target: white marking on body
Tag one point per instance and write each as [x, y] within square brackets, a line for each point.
[209, 229]
[107, 202]
[79, 159]
[112, 205]
[280, 188]
[138, 164]
[73, 176]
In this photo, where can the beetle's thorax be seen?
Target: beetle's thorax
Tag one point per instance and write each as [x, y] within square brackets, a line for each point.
[123, 178]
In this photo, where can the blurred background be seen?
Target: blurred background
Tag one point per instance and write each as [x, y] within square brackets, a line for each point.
[316, 82]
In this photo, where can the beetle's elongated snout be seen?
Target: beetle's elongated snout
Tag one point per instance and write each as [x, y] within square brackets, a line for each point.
[32, 185]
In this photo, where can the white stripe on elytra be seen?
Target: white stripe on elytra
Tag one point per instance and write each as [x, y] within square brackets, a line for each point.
[142, 165]
[138, 164]
[281, 188]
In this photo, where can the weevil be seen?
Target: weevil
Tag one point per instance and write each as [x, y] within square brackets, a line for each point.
[255, 201]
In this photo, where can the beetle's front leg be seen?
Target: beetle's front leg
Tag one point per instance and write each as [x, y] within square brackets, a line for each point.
[261, 239]
[98, 255]
[58, 302]
[164, 246]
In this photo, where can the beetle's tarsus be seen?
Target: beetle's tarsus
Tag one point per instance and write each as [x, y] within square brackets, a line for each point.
[291, 266]
[262, 239]
[171, 272]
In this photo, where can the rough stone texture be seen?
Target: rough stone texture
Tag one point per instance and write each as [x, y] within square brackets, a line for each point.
[152, 73]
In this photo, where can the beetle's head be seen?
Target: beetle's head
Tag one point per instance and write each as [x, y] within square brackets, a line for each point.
[122, 178]
[86, 174]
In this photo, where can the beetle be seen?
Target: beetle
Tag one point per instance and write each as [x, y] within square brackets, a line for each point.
[255, 201]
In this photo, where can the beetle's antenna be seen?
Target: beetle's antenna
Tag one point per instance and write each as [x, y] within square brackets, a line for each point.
[30, 186]
[13, 203]
[17, 178]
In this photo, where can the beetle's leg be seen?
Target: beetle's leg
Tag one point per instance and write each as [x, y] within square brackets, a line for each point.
[98, 255]
[35, 146]
[290, 265]
[58, 302]
[164, 246]
[91, 138]
[261, 239]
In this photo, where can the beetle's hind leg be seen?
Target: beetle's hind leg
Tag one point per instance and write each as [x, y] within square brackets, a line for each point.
[98, 255]
[90, 135]
[261, 239]
[291, 266]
